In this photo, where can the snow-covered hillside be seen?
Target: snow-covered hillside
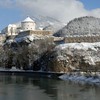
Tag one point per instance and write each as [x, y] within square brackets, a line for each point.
[90, 51]
[48, 23]
[83, 26]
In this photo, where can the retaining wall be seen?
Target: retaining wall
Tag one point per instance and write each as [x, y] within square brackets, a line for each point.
[82, 38]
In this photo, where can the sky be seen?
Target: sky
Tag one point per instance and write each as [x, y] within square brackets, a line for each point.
[91, 4]
[12, 11]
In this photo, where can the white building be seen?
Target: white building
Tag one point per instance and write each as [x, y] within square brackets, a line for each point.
[28, 24]
[10, 29]
[14, 29]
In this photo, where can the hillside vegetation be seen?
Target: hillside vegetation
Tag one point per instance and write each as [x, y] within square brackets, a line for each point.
[81, 26]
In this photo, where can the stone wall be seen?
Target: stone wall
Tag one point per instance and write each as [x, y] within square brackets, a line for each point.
[41, 32]
[82, 38]
[36, 32]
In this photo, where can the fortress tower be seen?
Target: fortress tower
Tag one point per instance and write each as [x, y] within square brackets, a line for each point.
[28, 24]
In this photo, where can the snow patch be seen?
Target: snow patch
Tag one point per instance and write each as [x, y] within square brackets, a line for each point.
[81, 78]
[14, 69]
[29, 37]
[78, 46]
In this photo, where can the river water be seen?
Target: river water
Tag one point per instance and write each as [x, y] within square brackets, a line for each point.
[30, 88]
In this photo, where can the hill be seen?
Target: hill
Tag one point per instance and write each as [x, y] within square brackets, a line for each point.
[81, 26]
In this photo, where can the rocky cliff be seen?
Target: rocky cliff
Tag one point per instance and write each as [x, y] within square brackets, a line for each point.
[25, 52]
[40, 53]
[75, 56]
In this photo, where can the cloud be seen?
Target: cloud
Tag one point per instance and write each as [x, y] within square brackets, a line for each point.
[95, 13]
[6, 3]
[63, 10]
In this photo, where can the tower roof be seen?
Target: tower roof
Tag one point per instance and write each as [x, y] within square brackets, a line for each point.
[28, 19]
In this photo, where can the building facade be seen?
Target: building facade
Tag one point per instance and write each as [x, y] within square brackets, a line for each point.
[11, 29]
[28, 24]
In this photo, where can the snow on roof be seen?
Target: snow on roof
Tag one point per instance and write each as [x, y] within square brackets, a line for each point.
[12, 25]
[28, 19]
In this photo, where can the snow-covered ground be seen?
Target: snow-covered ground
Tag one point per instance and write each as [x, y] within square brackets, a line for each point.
[12, 69]
[82, 78]
[78, 46]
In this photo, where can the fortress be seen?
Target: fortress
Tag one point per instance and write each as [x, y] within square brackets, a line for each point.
[26, 26]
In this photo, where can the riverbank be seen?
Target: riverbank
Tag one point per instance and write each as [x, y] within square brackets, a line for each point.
[92, 78]
[82, 77]
[14, 71]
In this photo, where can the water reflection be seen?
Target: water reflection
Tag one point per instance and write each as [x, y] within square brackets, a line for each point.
[26, 88]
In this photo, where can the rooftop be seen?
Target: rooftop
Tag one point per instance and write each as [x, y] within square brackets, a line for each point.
[28, 19]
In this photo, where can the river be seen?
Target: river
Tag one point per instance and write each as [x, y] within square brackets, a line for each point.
[30, 88]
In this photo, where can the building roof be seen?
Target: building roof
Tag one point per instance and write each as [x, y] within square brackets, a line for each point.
[11, 25]
[28, 19]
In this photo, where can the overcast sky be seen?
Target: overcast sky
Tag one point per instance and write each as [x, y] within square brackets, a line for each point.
[12, 11]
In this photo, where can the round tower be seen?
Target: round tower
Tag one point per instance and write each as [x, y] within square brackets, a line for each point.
[28, 24]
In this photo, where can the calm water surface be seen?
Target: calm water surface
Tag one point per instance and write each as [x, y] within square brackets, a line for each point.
[25, 88]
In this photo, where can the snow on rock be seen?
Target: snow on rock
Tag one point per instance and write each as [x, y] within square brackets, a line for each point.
[76, 56]
[25, 52]
[14, 69]
[81, 78]
[29, 37]
[80, 46]
[9, 41]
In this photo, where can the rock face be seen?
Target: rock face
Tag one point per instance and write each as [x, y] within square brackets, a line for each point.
[25, 52]
[81, 26]
[40, 53]
[75, 56]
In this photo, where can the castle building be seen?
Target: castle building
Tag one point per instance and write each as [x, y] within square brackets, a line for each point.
[11, 29]
[28, 24]
[14, 29]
